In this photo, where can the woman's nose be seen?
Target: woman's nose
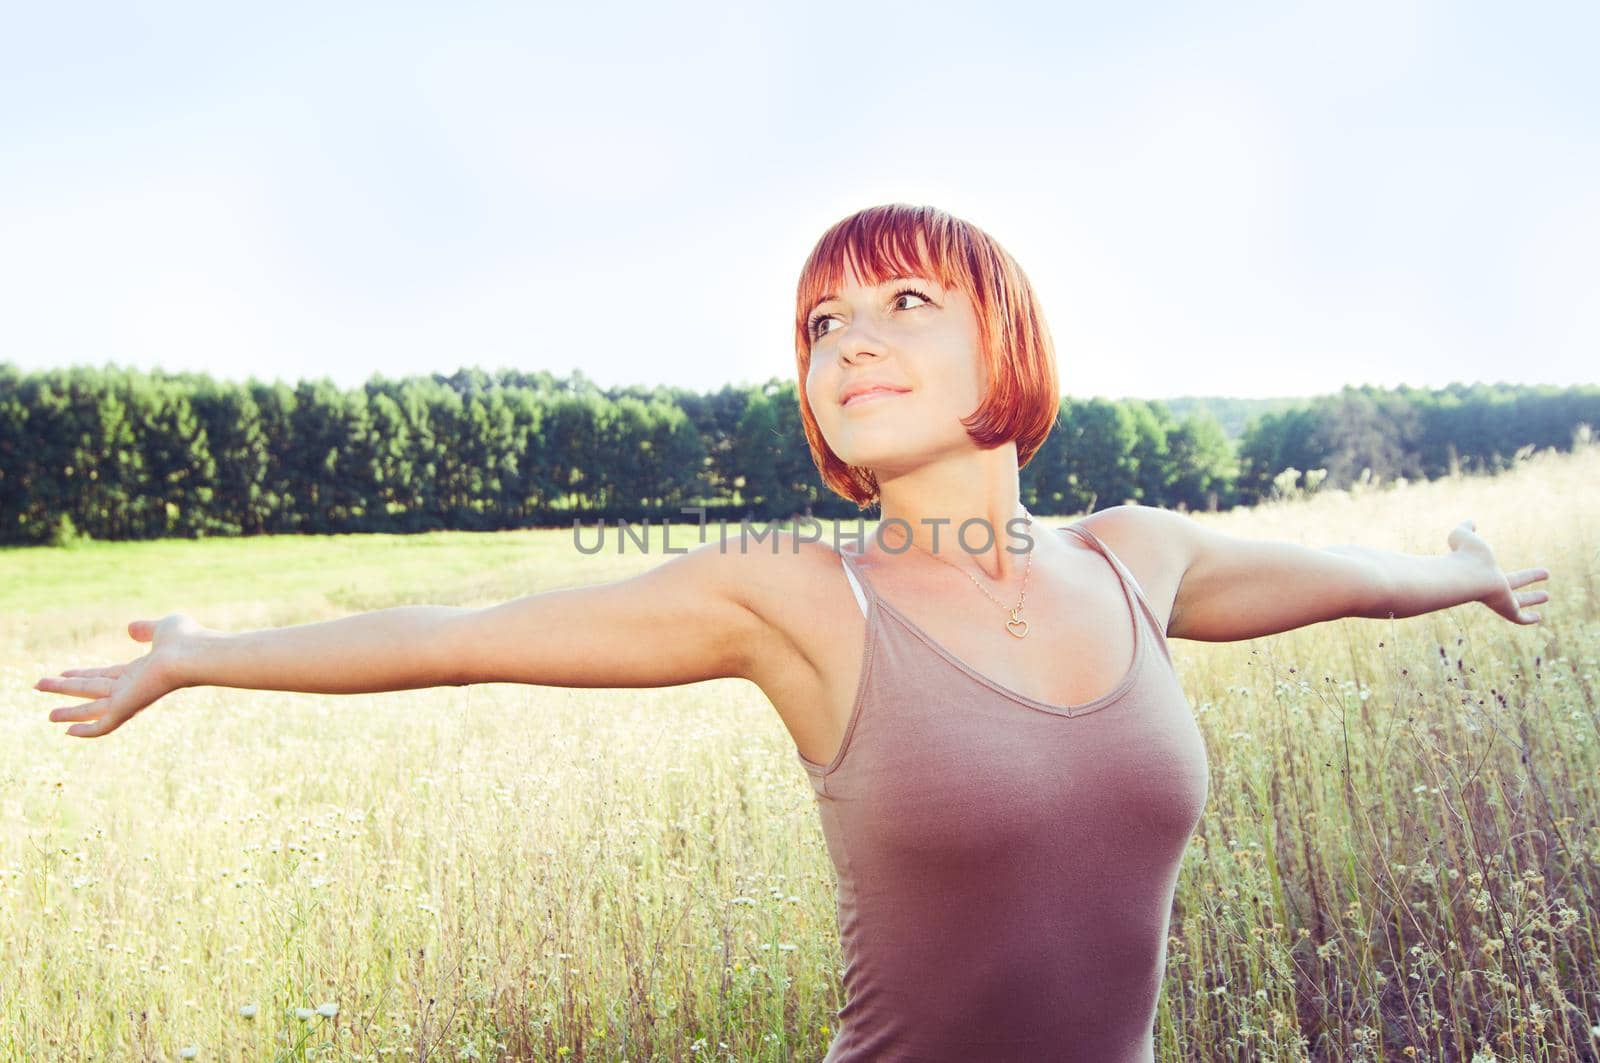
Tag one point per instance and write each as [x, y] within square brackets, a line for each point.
[858, 341]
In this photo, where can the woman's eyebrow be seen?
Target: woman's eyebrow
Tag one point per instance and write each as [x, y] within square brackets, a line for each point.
[830, 296]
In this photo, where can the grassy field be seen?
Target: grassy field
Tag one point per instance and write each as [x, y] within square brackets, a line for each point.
[1399, 859]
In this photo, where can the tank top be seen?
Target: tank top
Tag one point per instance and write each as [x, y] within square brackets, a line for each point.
[1006, 867]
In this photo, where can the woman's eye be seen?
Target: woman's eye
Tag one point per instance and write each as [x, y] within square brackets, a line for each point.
[910, 291]
[816, 330]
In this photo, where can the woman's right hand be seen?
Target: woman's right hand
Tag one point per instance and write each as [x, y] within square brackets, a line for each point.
[120, 691]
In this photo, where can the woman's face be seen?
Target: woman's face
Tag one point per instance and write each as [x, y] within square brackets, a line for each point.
[907, 333]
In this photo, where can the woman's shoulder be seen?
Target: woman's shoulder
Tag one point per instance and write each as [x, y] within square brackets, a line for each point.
[797, 587]
[1138, 528]
[1150, 542]
[778, 569]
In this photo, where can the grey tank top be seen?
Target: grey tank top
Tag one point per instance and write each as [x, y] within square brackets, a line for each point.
[1006, 867]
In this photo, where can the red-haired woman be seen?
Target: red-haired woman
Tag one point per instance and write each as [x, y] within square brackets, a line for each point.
[1006, 768]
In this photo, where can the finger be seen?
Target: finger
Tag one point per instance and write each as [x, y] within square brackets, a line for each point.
[107, 723]
[81, 688]
[110, 671]
[142, 630]
[1524, 576]
[1532, 597]
[89, 710]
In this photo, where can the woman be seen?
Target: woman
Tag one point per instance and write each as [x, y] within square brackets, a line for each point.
[1006, 769]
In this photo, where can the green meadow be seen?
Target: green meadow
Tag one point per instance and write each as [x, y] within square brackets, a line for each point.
[1399, 858]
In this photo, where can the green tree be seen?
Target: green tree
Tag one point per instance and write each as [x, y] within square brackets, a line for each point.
[1203, 463]
[1150, 453]
[240, 446]
[1098, 437]
[180, 472]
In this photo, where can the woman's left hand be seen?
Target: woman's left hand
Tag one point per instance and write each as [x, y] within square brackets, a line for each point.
[1505, 595]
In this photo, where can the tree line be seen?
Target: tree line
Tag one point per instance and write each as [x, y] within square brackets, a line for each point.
[115, 453]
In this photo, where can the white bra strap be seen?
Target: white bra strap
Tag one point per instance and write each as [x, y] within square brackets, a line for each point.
[855, 585]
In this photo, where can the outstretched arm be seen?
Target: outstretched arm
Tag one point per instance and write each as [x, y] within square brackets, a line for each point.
[1233, 589]
[682, 621]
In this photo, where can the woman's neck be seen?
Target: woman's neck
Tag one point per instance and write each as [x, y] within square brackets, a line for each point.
[972, 522]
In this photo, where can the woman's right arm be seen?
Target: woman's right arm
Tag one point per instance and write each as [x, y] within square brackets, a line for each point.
[683, 621]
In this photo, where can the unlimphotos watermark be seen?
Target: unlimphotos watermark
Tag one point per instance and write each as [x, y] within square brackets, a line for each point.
[809, 530]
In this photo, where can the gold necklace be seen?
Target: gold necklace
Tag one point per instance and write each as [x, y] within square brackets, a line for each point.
[1016, 625]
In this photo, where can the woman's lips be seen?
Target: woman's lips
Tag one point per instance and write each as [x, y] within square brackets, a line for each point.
[870, 396]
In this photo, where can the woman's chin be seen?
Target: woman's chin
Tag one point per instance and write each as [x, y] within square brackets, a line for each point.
[898, 458]
[884, 464]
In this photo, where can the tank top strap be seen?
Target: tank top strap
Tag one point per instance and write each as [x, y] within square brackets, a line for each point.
[858, 584]
[1127, 579]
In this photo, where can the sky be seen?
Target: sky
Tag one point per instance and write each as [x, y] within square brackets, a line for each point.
[1248, 199]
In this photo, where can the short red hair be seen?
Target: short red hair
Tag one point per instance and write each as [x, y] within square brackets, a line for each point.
[1022, 396]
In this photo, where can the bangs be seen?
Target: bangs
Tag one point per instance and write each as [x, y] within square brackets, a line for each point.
[894, 241]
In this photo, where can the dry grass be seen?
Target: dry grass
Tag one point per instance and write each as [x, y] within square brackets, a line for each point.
[1400, 852]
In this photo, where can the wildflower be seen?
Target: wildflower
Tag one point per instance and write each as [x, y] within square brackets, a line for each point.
[188, 1052]
[328, 1010]
[248, 1011]
[302, 1014]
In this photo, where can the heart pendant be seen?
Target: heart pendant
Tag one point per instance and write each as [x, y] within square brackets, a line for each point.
[1013, 626]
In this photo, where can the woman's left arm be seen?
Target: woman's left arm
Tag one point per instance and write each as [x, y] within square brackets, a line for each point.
[1233, 589]
[1468, 573]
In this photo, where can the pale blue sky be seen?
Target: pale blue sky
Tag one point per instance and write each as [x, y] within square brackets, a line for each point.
[1271, 199]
